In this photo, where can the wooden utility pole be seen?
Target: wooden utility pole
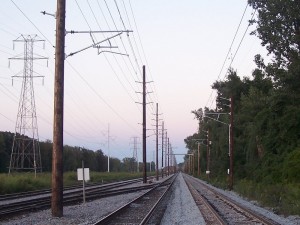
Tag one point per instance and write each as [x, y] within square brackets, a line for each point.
[168, 157]
[57, 153]
[144, 128]
[190, 164]
[171, 160]
[194, 163]
[166, 153]
[162, 150]
[231, 146]
[199, 170]
[208, 156]
[156, 166]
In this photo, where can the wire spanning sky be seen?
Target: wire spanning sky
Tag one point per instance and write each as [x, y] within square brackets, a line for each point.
[183, 45]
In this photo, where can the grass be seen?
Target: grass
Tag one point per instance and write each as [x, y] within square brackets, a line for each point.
[22, 182]
[281, 198]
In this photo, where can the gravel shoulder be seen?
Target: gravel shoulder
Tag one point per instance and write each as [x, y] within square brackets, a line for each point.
[82, 214]
[182, 208]
[291, 220]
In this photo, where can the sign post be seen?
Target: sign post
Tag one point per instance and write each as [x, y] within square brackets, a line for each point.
[84, 175]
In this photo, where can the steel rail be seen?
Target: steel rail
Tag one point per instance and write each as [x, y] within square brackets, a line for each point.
[150, 213]
[236, 205]
[217, 219]
[107, 219]
[9, 209]
[17, 195]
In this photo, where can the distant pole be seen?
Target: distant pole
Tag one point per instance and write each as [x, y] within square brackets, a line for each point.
[57, 153]
[168, 156]
[190, 164]
[156, 141]
[194, 163]
[199, 171]
[231, 145]
[144, 128]
[166, 153]
[162, 150]
[108, 148]
[208, 156]
[171, 159]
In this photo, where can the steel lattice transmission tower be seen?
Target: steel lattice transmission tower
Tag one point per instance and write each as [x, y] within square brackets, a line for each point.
[25, 154]
[135, 151]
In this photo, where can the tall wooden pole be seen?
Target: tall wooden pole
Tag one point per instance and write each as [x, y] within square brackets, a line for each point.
[168, 155]
[156, 165]
[194, 163]
[57, 153]
[208, 156]
[162, 150]
[231, 146]
[144, 128]
[199, 170]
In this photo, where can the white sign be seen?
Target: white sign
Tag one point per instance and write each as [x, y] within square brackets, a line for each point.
[86, 174]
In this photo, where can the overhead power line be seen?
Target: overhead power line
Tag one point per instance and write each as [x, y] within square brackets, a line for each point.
[229, 51]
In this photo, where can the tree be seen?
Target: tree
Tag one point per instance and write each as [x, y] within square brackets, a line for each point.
[129, 164]
[101, 161]
[46, 155]
[115, 164]
[278, 27]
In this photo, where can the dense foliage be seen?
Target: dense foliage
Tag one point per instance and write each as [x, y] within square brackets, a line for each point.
[72, 157]
[266, 106]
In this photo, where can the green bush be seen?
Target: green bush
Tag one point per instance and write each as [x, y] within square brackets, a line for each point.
[291, 166]
[290, 200]
[20, 182]
[281, 198]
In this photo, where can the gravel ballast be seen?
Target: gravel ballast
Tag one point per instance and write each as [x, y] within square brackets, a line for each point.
[291, 220]
[82, 214]
[182, 208]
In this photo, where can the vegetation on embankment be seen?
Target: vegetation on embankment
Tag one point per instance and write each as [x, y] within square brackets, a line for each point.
[281, 198]
[260, 112]
[72, 157]
[22, 182]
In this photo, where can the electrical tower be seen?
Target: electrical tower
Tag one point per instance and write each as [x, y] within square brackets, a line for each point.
[109, 138]
[135, 151]
[25, 154]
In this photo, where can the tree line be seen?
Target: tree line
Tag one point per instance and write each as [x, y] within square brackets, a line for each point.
[266, 106]
[72, 158]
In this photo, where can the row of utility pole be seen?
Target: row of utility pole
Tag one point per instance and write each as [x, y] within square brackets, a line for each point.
[167, 154]
[57, 153]
[208, 144]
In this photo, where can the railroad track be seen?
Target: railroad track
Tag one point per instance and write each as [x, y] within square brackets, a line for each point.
[8, 197]
[217, 208]
[141, 209]
[42, 200]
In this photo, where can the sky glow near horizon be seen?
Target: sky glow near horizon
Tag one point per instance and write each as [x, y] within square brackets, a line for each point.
[184, 45]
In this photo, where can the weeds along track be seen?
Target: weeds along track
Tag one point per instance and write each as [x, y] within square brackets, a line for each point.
[18, 195]
[145, 208]
[11, 205]
[217, 208]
